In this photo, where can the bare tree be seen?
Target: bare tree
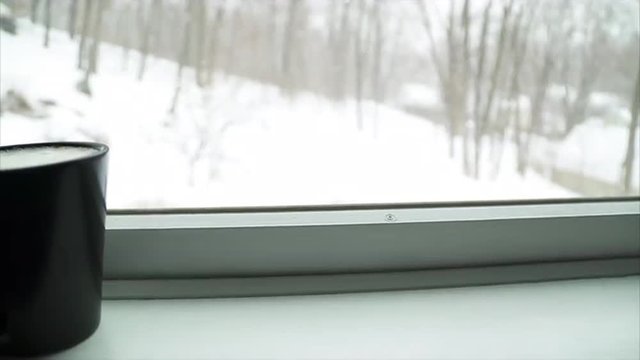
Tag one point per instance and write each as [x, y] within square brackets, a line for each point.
[590, 65]
[631, 140]
[480, 67]
[124, 27]
[47, 22]
[509, 115]
[90, 65]
[199, 24]
[466, 71]
[482, 122]
[34, 10]
[144, 18]
[72, 19]
[388, 68]
[340, 36]
[548, 52]
[333, 16]
[86, 27]
[454, 92]
[151, 22]
[359, 58]
[185, 50]
[288, 42]
[519, 47]
[446, 81]
[481, 76]
[212, 42]
[543, 75]
[378, 42]
[97, 36]
[274, 59]
[454, 71]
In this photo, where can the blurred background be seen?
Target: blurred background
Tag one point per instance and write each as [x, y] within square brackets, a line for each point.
[314, 102]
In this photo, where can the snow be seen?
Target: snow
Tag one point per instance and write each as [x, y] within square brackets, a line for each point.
[240, 142]
[412, 95]
[597, 150]
[597, 147]
[27, 157]
[5, 11]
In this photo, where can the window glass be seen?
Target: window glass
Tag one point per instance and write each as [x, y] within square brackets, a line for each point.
[316, 102]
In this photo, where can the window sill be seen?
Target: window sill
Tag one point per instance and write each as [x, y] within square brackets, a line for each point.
[580, 319]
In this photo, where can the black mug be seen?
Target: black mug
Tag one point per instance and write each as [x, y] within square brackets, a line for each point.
[52, 220]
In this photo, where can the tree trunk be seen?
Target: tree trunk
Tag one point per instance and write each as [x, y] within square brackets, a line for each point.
[125, 34]
[147, 33]
[288, 43]
[359, 63]
[493, 85]
[376, 68]
[537, 104]
[519, 47]
[591, 67]
[144, 40]
[212, 43]
[333, 16]
[388, 70]
[340, 51]
[34, 10]
[631, 140]
[73, 14]
[453, 90]
[479, 91]
[200, 17]
[466, 70]
[443, 77]
[184, 55]
[97, 37]
[274, 59]
[578, 111]
[47, 22]
[86, 26]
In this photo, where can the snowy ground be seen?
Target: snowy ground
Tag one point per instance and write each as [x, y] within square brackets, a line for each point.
[240, 143]
[594, 149]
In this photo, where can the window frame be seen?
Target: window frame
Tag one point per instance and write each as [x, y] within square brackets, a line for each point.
[310, 250]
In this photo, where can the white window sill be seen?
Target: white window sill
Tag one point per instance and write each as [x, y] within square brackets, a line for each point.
[586, 319]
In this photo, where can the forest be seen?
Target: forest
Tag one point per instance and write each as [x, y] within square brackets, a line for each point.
[512, 85]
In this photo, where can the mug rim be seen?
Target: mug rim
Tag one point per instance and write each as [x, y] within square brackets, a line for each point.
[101, 149]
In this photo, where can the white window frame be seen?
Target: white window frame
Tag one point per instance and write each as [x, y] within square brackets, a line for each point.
[284, 251]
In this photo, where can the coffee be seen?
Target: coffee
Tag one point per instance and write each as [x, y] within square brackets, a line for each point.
[17, 158]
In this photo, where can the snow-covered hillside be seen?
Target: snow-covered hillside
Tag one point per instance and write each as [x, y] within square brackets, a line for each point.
[239, 143]
[594, 149]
